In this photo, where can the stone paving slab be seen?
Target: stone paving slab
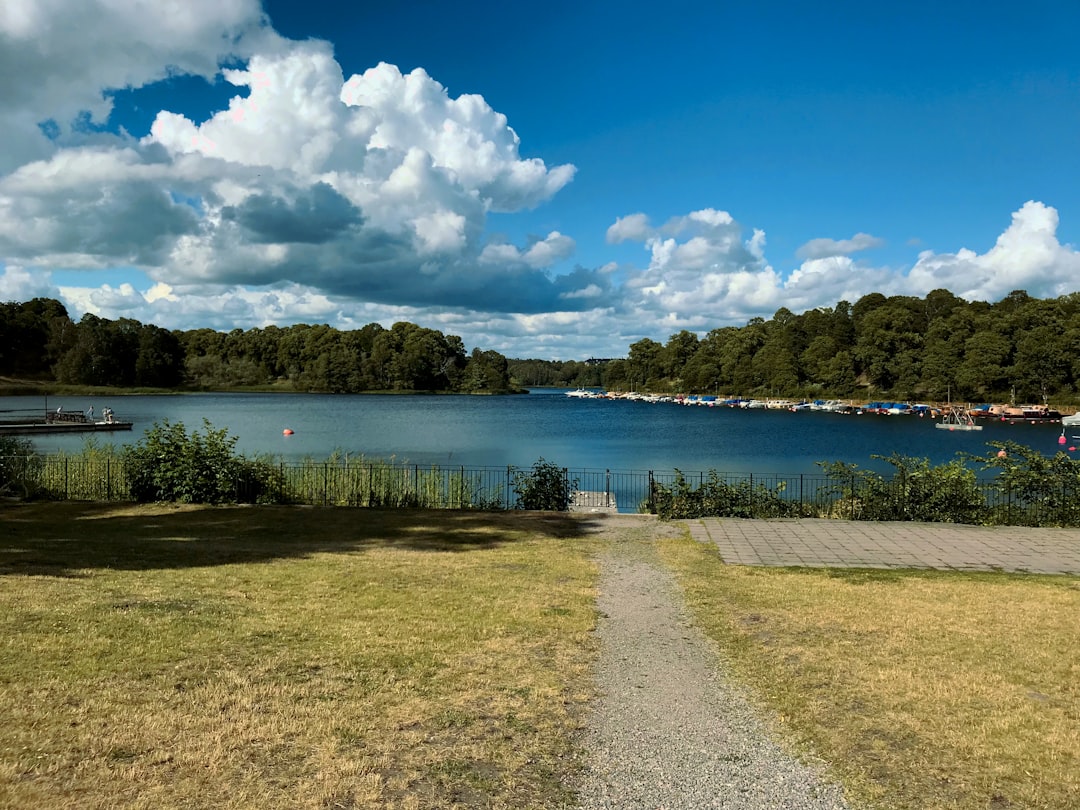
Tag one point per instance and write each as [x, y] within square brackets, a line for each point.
[819, 543]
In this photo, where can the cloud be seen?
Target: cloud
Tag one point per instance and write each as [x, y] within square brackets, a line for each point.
[375, 188]
[314, 215]
[60, 59]
[827, 248]
[1027, 256]
[541, 252]
[632, 228]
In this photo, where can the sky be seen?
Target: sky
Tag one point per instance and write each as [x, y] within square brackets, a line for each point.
[550, 180]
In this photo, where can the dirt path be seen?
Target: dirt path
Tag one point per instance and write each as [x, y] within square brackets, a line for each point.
[667, 730]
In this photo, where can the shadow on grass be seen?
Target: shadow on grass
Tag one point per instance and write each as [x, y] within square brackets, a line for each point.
[66, 538]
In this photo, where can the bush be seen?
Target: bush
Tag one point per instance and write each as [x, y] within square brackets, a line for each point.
[1033, 489]
[20, 467]
[947, 493]
[546, 486]
[717, 498]
[168, 464]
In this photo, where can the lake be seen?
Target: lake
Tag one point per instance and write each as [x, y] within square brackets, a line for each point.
[518, 430]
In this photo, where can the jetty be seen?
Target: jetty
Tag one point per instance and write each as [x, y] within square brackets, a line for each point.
[52, 422]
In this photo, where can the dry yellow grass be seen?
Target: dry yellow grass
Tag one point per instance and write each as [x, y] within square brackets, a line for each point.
[289, 657]
[921, 689]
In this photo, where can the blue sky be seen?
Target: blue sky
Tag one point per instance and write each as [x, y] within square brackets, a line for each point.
[549, 180]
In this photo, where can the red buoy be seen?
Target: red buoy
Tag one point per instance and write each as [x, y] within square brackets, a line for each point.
[287, 432]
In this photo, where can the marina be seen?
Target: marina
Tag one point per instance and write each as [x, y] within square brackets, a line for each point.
[951, 414]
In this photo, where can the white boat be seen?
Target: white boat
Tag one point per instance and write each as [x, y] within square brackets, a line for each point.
[580, 393]
[1072, 420]
[957, 419]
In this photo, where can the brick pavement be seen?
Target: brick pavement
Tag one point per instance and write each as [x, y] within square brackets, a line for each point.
[867, 544]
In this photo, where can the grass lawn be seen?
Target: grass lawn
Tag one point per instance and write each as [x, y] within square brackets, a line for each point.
[920, 689]
[290, 657]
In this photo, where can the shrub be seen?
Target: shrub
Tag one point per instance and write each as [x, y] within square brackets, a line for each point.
[546, 486]
[947, 493]
[168, 464]
[718, 498]
[20, 467]
[1033, 489]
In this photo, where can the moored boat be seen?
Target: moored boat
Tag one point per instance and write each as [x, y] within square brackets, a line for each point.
[957, 419]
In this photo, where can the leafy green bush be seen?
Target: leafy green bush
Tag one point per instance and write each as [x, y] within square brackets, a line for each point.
[546, 486]
[1033, 489]
[947, 493]
[169, 464]
[20, 467]
[715, 497]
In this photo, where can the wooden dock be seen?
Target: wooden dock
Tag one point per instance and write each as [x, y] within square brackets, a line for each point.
[596, 502]
[61, 422]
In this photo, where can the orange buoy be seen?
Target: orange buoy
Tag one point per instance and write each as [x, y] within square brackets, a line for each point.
[287, 432]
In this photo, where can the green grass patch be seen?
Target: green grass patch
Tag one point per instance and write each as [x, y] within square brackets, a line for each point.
[921, 689]
[290, 657]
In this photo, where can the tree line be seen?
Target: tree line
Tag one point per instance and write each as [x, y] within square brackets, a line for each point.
[938, 347]
[40, 342]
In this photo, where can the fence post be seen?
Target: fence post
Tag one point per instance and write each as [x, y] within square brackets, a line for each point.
[509, 467]
[607, 488]
[108, 479]
[325, 480]
[67, 486]
[802, 502]
[652, 493]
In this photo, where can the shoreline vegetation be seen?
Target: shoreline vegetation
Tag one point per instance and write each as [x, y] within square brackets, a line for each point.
[1014, 486]
[938, 348]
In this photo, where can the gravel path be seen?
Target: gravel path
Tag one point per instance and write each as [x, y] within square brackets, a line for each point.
[667, 731]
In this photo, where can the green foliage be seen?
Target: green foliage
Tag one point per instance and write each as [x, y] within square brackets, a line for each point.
[946, 493]
[20, 467]
[1033, 489]
[169, 464]
[715, 497]
[546, 487]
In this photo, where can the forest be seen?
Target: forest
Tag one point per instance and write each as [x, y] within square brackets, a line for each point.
[938, 347]
[40, 343]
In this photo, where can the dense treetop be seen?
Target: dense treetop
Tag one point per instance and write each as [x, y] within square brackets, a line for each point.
[935, 347]
[38, 341]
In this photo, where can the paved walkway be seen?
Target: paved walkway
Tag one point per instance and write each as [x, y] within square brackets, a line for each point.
[868, 544]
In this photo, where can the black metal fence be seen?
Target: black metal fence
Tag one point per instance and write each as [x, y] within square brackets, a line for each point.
[370, 484]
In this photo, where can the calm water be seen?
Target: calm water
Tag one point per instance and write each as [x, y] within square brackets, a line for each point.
[576, 433]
